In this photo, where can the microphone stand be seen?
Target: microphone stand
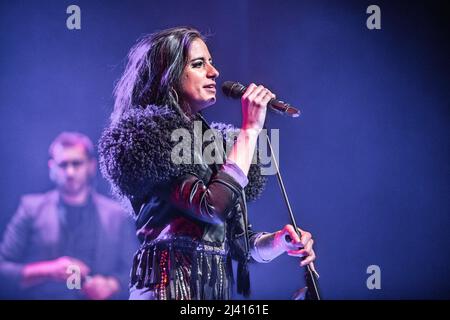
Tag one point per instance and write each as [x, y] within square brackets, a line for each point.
[311, 291]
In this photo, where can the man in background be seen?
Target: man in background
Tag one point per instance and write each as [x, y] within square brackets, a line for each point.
[66, 233]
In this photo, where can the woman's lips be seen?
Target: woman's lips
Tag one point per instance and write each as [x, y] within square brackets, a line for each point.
[210, 87]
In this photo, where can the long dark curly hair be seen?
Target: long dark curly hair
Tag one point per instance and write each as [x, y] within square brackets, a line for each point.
[153, 71]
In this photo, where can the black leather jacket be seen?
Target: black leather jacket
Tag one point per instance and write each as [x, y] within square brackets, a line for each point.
[209, 198]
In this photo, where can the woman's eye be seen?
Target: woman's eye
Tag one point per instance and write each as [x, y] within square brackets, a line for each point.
[197, 64]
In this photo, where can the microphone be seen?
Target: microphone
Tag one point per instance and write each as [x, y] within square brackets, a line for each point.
[236, 90]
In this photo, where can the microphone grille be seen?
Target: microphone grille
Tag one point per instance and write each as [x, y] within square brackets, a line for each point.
[233, 89]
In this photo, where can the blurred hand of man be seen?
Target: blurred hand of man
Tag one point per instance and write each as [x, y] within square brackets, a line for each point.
[99, 287]
[56, 270]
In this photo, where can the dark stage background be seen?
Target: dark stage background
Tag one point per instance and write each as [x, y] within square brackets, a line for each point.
[366, 166]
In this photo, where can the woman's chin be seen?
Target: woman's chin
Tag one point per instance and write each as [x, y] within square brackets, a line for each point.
[206, 104]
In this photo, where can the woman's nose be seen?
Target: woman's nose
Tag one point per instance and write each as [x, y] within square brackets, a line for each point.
[212, 72]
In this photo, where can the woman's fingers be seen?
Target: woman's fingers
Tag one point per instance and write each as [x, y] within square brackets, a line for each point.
[258, 95]
[306, 238]
[303, 252]
[254, 102]
[308, 259]
[295, 253]
[264, 97]
[267, 97]
[292, 234]
[299, 247]
[249, 90]
[313, 268]
[294, 239]
[252, 92]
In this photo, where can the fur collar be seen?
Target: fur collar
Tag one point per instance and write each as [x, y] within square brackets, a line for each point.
[135, 152]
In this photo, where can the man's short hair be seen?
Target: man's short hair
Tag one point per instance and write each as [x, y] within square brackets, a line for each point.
[71, 139]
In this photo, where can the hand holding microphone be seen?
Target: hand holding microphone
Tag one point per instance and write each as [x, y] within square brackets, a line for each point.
[237, 90]
[255, 100]
[254, 106]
